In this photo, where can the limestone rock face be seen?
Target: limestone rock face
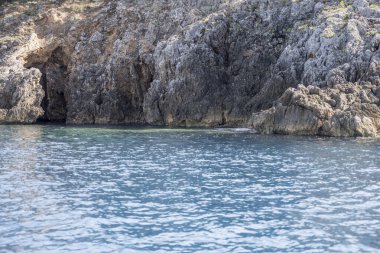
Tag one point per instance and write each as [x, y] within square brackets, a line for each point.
[188, 63]
[345, 110]
[21, 97]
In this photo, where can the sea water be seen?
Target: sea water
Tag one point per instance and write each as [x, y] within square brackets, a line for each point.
[87, 189]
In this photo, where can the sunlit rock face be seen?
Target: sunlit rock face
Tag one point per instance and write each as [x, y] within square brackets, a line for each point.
[345, 110]
[189, 63]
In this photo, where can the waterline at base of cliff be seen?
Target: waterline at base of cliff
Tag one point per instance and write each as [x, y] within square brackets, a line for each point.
[290, 67]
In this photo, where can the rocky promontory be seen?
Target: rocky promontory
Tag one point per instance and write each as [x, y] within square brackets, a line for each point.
[307, 67]
[345, 110]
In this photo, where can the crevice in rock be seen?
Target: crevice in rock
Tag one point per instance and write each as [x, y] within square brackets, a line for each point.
[53, 81]
[224, 119]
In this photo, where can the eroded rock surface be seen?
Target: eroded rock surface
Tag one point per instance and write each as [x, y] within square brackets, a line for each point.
[345, 110]
[191, 63]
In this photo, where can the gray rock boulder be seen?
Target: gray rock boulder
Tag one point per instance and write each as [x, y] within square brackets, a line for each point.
[345, 110]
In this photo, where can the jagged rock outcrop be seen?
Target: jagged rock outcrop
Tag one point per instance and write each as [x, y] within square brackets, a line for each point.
[345, 110]
[21, 97]
[187, 63]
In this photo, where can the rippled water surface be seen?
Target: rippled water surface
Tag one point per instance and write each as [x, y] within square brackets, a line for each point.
[67, 189]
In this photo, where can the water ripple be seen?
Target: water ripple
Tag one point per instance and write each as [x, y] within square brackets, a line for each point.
[67, 189]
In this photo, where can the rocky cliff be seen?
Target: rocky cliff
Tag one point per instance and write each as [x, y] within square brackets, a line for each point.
[281, 66]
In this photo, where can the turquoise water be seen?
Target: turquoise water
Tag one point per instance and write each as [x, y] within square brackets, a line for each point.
[67, 189]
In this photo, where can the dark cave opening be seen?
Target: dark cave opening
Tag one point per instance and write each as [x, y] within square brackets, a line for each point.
[53, 81]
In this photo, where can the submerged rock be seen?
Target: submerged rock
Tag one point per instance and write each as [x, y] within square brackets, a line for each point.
[193, 63]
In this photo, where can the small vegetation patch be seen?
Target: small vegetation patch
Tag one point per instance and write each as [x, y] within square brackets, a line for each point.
[372, 32]
[328, 33]
[375, 6]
